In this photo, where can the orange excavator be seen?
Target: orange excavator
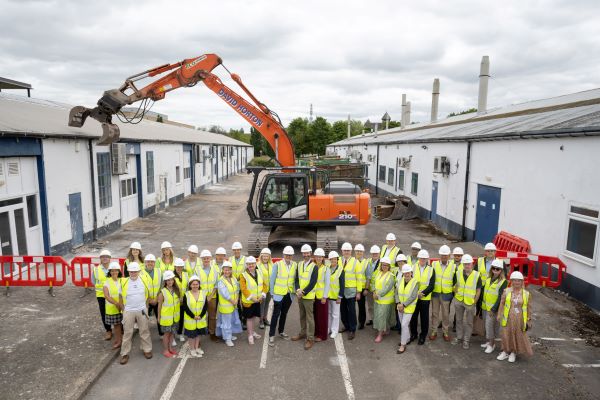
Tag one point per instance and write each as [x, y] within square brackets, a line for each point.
[287, 203]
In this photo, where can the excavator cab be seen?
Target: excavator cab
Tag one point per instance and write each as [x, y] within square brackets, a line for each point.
[284, 196]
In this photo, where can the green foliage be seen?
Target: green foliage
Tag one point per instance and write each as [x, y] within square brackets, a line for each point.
[470, 110]
[159, 118]
[263, 161]
[261, 146]
[239, 134]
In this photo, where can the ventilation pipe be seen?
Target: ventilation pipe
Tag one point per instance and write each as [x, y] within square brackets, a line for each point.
[407, 119]
[403, 116]
[484, 77]
[435, 99]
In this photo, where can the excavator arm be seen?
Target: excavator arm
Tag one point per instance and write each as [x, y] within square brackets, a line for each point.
[185, 74]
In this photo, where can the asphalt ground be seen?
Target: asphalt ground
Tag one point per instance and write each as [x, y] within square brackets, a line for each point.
[52, 348]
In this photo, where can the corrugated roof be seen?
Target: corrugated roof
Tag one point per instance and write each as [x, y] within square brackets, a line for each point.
[37, 117]
[578, 111]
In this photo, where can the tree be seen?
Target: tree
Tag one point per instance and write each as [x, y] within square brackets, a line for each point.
[319, 135]
[297, 131]
[217, 129]
[470, 110]
[159, 118]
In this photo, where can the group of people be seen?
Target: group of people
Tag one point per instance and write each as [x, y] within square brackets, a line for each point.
[223, 296]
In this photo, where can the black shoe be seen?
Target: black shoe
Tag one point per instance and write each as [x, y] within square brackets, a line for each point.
[361, 326]
[244, 327]
[266, 322]
[369, 323]
[421, 341]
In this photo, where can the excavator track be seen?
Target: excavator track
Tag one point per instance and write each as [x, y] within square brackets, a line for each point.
[327, 239]
[258, 239]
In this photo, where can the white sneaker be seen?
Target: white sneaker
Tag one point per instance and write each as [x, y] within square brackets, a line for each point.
[512, 357]
[193, 353]
[333, 335]
[251, 339]
[135, 326]
[271, 341]
[174, 342]
[284, 335]
[181, 338]
[502, 356]
[256, 335]
[234, 338]
[229, 343]
[489, 349]
[200, 351]
[484, 345]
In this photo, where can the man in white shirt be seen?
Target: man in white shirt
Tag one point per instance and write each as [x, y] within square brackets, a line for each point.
[133, 302]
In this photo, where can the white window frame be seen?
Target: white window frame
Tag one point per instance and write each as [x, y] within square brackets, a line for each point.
[589, 220]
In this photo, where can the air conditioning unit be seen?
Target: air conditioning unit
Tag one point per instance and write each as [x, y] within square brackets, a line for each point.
[118, 153]
[405, 162]
[441, 165]
[371, 158]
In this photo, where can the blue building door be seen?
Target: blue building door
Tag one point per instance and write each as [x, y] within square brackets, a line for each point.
[434, 198]
[488, 213]
[76, 219]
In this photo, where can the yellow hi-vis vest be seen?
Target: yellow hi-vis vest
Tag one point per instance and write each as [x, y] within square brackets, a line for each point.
[169, 312]
[490, 293]
[99, 280]
[125, 287]
[182, 282]
[195, 307]
[225, 306]
[113, 291]
[139, 261]
[383, 280]
[424, 278]
[393, 254]
[334, 283]
[360, 273]
[404, 291]
[352, 270]
[282, 279]
[164, 266]
[320, 286]
[208, 281]
[304, 274]
[293, 269]
[466, 290]
[265, 270]
[152, 283]
[481, 268]
[237, 267]
[188, 266]
[524, 308]
[219, 267]
[443, 278]
[254, 287]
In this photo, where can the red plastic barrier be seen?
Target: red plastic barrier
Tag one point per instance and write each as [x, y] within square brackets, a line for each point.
[81, 269]
[508, 241]
[33, 271]
[545, 265]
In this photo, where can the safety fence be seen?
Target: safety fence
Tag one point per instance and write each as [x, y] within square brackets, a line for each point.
[45, 271]
[507, 241]
[81, 270]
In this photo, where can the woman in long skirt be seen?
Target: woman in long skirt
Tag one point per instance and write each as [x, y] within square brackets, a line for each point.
[383, 295]
[320, 306]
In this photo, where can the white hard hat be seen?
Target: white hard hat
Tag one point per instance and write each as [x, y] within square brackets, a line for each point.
[359, 247]
[149, 257]
[114, 265]
[490, 246]
[105, 253]
[466, 259]
[179, 262]
[221, 250]
[375, 249]
[226, 264]
[516, 275]
[136, 245]
[385, 260]
[497, 263]
[266, 250]
[193, 278]
[306, 248]
[416, 245]
[288, 251]
[401, 257]
[168, 275]
[458, 251]
[236, 246]
[250, 260]
[346, 246]
[406, 268]
[319, 252]
[165, 245]
[205, 253]
[333, 254]
[423, 254]
[193, 249]
[390, 236]
[444, 250]
[133, 267]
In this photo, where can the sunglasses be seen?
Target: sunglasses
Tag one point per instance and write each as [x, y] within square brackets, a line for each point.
[496, 269]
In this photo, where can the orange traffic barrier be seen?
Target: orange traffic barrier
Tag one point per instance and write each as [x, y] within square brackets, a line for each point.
[507, 241]
[48, 271]
[81, 269]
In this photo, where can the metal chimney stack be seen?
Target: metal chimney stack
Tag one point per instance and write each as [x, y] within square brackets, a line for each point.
[349, 130]
[403, 116]
[435, 99]
[407, 121]
[484, 77]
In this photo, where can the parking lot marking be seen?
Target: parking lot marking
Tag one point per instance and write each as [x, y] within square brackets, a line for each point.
[263, 357]
[581, 365]
[175, 378]
[341, 353]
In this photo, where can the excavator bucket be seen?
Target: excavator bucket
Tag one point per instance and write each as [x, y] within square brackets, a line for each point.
[110, 131]
[78, 115]
[110, 134]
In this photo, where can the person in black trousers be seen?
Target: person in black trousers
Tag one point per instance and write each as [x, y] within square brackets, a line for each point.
[425, 275]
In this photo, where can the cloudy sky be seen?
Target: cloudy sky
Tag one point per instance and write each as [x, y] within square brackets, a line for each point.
[344, 57]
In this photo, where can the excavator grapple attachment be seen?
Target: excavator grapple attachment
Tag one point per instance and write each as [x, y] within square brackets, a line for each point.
[110, 134]
[110, 131]
[78, 115]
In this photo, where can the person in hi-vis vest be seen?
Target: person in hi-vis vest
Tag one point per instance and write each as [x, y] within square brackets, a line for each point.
[352, 289]
[304, 283]
[281, 284]
[264, 264]
[336, 285]
[413, 258]
[389, 249]
[194, 315]
[372, 266]
[99, 275]
[424, 273]
[441, 297]
[467, 290]
[114, 315]
[407, 289]
[208, 273]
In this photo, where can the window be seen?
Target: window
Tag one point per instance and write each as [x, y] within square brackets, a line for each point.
[204, 157]
[187, 173]
[400, 179]
[382, 173]
[178, 174]
[32, 214]
[150, 171]
[128, 187]
[414, 184]
[104, 189]
[583, 231]
[391, 177]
